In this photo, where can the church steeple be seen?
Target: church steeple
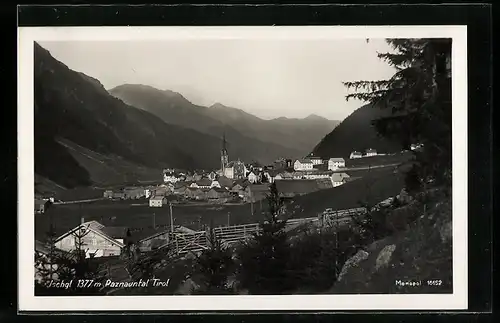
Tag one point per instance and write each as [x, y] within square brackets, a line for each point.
[224, 160]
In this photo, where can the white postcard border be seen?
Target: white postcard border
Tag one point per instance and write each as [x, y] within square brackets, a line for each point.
[29, 302]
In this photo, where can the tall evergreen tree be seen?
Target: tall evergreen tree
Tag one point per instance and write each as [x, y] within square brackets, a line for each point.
[264, 259]
[419, 96]
[61, 266]
[215, 265]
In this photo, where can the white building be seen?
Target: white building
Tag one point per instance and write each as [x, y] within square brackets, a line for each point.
[336, 163]
[215, 184]
[303, 164]
[252, 178]
[170, 178]
[317, 175]
[316, 160]
[371, 152]
[338, 179]
[94, 239]
[156, 201]
[356, 154]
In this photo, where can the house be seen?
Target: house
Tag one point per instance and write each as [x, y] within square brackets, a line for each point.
[133, 192]
[151, 238]
[41, 206]
[283, 175]
[291, 188]
[371, 152]
[223, 193]
[156, 201]
[303, 164]
[235, 170]
[252, 177]
[225, 182]
[195, 193]
[336, 163]
[108, 194]
[256, 166]
[170, 176]
[355, 154]
[218, 193]
[317, 175]
[162, 191]
[180, 188]
[212, 176]
[95, 241]
[119, 195]
[212, 194]
[215, 184]
[202, 183]
[238, 190]
[339, 179]
[316, 160]
[197, 177]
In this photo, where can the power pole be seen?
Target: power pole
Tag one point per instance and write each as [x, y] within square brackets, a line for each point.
[154, 220]
[171, 217]
[228, 217]
[251, 202]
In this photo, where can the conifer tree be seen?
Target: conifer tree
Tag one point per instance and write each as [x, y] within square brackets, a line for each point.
[264, 259]
[74, 266]
[215, 265]
[419, 97]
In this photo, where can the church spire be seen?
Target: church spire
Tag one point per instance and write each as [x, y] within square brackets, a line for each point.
[224, 141]
[224, 160]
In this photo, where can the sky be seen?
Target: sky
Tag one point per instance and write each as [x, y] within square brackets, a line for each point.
[267, 78]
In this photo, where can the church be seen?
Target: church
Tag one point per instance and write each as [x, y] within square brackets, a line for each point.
[233, 169]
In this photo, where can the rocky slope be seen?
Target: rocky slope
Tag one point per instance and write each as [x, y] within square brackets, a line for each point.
[416, 258]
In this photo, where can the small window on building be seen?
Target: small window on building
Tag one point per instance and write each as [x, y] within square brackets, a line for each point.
[93, 241]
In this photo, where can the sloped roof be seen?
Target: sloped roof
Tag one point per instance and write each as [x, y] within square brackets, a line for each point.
[304, 161]
[204, 182]
[224, 181]
[342, 160]
[243, 182]
[115, 232]
[338, 177]
[371, 150]
[95, 227]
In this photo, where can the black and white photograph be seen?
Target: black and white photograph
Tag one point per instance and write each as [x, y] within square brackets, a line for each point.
[249, 163]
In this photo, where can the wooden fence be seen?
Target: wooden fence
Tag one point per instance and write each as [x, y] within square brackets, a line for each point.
[196, 241]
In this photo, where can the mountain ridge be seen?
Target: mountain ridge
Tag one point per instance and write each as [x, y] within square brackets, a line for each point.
[217, 117]
[75, 107]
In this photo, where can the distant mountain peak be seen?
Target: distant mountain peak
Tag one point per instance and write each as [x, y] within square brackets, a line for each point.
[315, 117]
[218, 105]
